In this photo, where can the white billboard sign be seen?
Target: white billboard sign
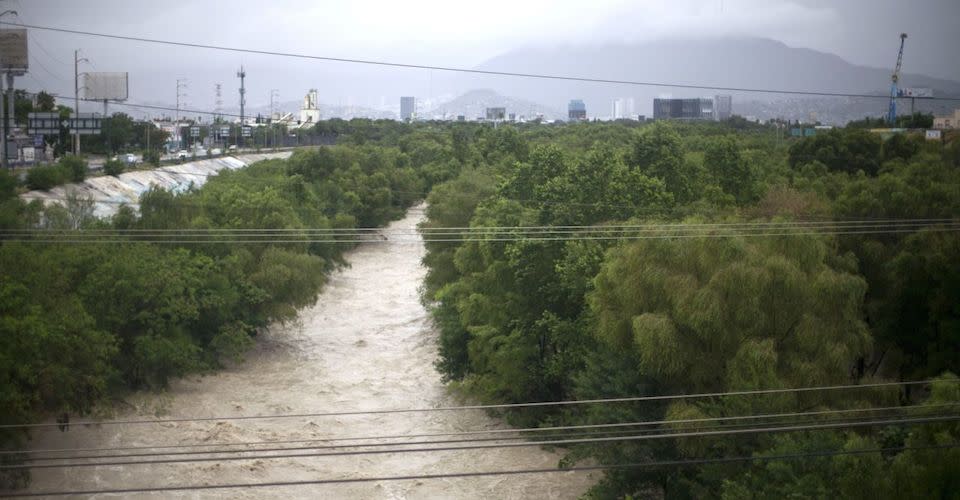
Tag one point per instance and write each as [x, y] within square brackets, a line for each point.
[13, 49]
[915, 92]
[106, 86]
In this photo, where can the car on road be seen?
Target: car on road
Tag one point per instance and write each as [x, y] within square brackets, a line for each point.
[182, 154]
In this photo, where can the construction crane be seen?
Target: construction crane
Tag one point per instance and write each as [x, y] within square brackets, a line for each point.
[892, 114]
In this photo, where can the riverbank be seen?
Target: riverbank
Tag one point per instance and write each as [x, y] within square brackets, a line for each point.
[109, 192]
[367, 344]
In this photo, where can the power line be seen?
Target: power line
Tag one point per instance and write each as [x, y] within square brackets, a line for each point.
[493, 431]
[510, 472]
[144, 106]
[413, 240]
[466, 437]
[493, 230]
[462, 70]
[503, 406]
[525, 444]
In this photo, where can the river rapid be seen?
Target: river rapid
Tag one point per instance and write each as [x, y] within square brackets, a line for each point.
[367, 344]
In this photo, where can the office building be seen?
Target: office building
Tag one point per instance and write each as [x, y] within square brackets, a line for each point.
[408, 108]
[683, 109]
[722, 107]
[576, 110]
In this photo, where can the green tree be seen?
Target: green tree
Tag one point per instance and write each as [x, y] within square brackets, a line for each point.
[46, 102]
[657, 152]
[730, 170]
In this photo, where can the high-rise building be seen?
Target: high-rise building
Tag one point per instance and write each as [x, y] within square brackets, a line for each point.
[408, 108]
[683, 109]
[722, 107]
[623, 108]
[576, 110]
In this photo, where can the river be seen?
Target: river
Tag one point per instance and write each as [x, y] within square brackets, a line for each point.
[367, 344]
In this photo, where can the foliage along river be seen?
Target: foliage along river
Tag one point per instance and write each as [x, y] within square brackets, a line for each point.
[367, 344]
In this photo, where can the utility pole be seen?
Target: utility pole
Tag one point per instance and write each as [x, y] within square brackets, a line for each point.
[181, 85]
[76, 99]
[218, 104]
[3, 144]
[8, 120]
[274, 100]
[10, 114]
[243, 100]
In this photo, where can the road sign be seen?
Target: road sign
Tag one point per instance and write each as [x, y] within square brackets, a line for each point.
[83, 123]
[224, 131]
[38, 141]
[43, 123]
[13, 49]
[247, 131]
[194, 131]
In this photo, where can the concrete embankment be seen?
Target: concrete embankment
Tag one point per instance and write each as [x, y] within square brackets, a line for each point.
[108, 192]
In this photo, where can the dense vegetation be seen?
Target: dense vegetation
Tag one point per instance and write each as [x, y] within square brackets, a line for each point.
[523, 319]
[83, 322]
[540, 320]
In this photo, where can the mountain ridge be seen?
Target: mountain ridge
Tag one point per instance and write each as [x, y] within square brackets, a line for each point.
[731, 62]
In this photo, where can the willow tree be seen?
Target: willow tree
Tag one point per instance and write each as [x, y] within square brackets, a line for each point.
[715, 314]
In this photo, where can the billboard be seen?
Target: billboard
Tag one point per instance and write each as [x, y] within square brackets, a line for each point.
[13, 49]
[496, 113]
[106, 86]
[915, 92]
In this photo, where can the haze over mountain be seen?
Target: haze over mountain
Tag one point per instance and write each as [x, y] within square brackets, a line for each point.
[735, 62]
[723, 62]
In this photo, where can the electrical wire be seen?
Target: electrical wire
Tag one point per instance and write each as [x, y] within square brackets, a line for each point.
[524, 444]
[463, 70]
[513, 434]
[493, 230]
[503, 406]
[489, 431]
[507, 472]
[413, 240]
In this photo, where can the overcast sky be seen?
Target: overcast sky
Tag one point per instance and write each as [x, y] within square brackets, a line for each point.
[441, 32]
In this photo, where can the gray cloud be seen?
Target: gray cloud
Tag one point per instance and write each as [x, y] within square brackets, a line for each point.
[441, 32]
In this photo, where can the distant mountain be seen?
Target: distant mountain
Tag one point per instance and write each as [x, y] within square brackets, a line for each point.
[474, 104]
[727, 62]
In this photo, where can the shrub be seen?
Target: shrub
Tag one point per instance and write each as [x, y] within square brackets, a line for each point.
[45, 177]
[152, 157]
[75, 167]
[113, 167]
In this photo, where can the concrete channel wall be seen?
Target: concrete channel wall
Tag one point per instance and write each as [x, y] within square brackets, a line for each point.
[108, 192]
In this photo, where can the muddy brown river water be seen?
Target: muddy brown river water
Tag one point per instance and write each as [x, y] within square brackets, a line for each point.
[367, 344]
